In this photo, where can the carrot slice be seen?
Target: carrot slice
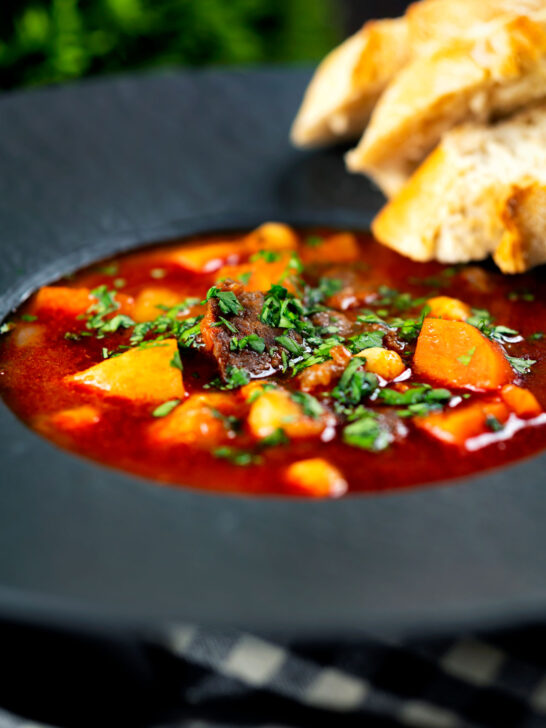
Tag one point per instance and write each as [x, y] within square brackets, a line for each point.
[141, 375]
[338, 248]
[315, 477]
[521, 401]
[456, 354]
[456, 426]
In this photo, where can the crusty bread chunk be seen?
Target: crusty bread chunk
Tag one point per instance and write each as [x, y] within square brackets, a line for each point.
[348, 82]
[482, 191]
[492, 74]
[432, 23]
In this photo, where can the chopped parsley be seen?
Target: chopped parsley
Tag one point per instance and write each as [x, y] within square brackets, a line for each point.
[354, 385]
[236, 456]
[176, 362]
[228, 302]
[537, 336]
[29, 317]
[365, 432]
[166, 408]
[366, 340]
[313, 241]
[269, 256]
[520, 364]
[493, 423]
[309, 404]
[465, 359]
[252, 341]
[236, 378]
[418, 401]
[275, 439]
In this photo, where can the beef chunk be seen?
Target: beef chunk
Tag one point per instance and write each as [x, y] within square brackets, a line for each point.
[218, 336]
[333, 318]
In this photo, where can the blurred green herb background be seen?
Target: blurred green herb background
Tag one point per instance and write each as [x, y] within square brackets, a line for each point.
[49, 41]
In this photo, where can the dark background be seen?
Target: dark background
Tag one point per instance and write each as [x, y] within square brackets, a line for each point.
[51, 41]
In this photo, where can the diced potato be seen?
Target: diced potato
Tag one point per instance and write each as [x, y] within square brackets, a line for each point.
[456, 426]
[337, 248]
[445, 307]
[456, 354]
[145, 307]
[76, 418]
[28, 335]
[271, 236]
[322, 375]
[140, 375]
[387, 364]
[521, 401]
[315, 477]
[275, 410]
[195, 423]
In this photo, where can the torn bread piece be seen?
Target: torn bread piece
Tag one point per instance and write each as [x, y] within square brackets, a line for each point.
[432, 23]
[348, 82]
[482, 191]
[492, 75]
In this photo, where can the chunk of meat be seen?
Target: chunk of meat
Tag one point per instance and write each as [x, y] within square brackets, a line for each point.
[446, 307]
[456, 354]
[337, 248]
[456, 426]
[521, 401]
[141, 375]
[315, 477]
[217, 337]
[322, 375]
[385, 363]
[275, 409]
[342, 324]
[201, 421]
[146, 305]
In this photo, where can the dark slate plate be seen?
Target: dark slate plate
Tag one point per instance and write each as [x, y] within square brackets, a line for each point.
[93, 169]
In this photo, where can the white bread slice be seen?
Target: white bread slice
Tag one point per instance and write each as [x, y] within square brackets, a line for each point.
[432, 23]
[497, 72]
[482, 191]
[348, 82]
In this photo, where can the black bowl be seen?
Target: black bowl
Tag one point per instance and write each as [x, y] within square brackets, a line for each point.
[94, 169]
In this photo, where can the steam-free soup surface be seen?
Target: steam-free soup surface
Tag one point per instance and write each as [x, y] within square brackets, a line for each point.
[313, 363]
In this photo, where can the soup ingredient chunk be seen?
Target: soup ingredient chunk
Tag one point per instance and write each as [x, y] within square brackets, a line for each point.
[456, 426]
[235, 335]
[148, 374]
[296, 414]
[387, 364]
[315, 477]
[456, 354]
[521, 401]
[203, 420]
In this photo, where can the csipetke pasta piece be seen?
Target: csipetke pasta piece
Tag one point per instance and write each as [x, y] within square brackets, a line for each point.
[491, 75]
[482, 191]
[348, 82]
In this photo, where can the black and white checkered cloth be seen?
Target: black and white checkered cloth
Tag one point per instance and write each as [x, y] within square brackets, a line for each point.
[233, 680]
